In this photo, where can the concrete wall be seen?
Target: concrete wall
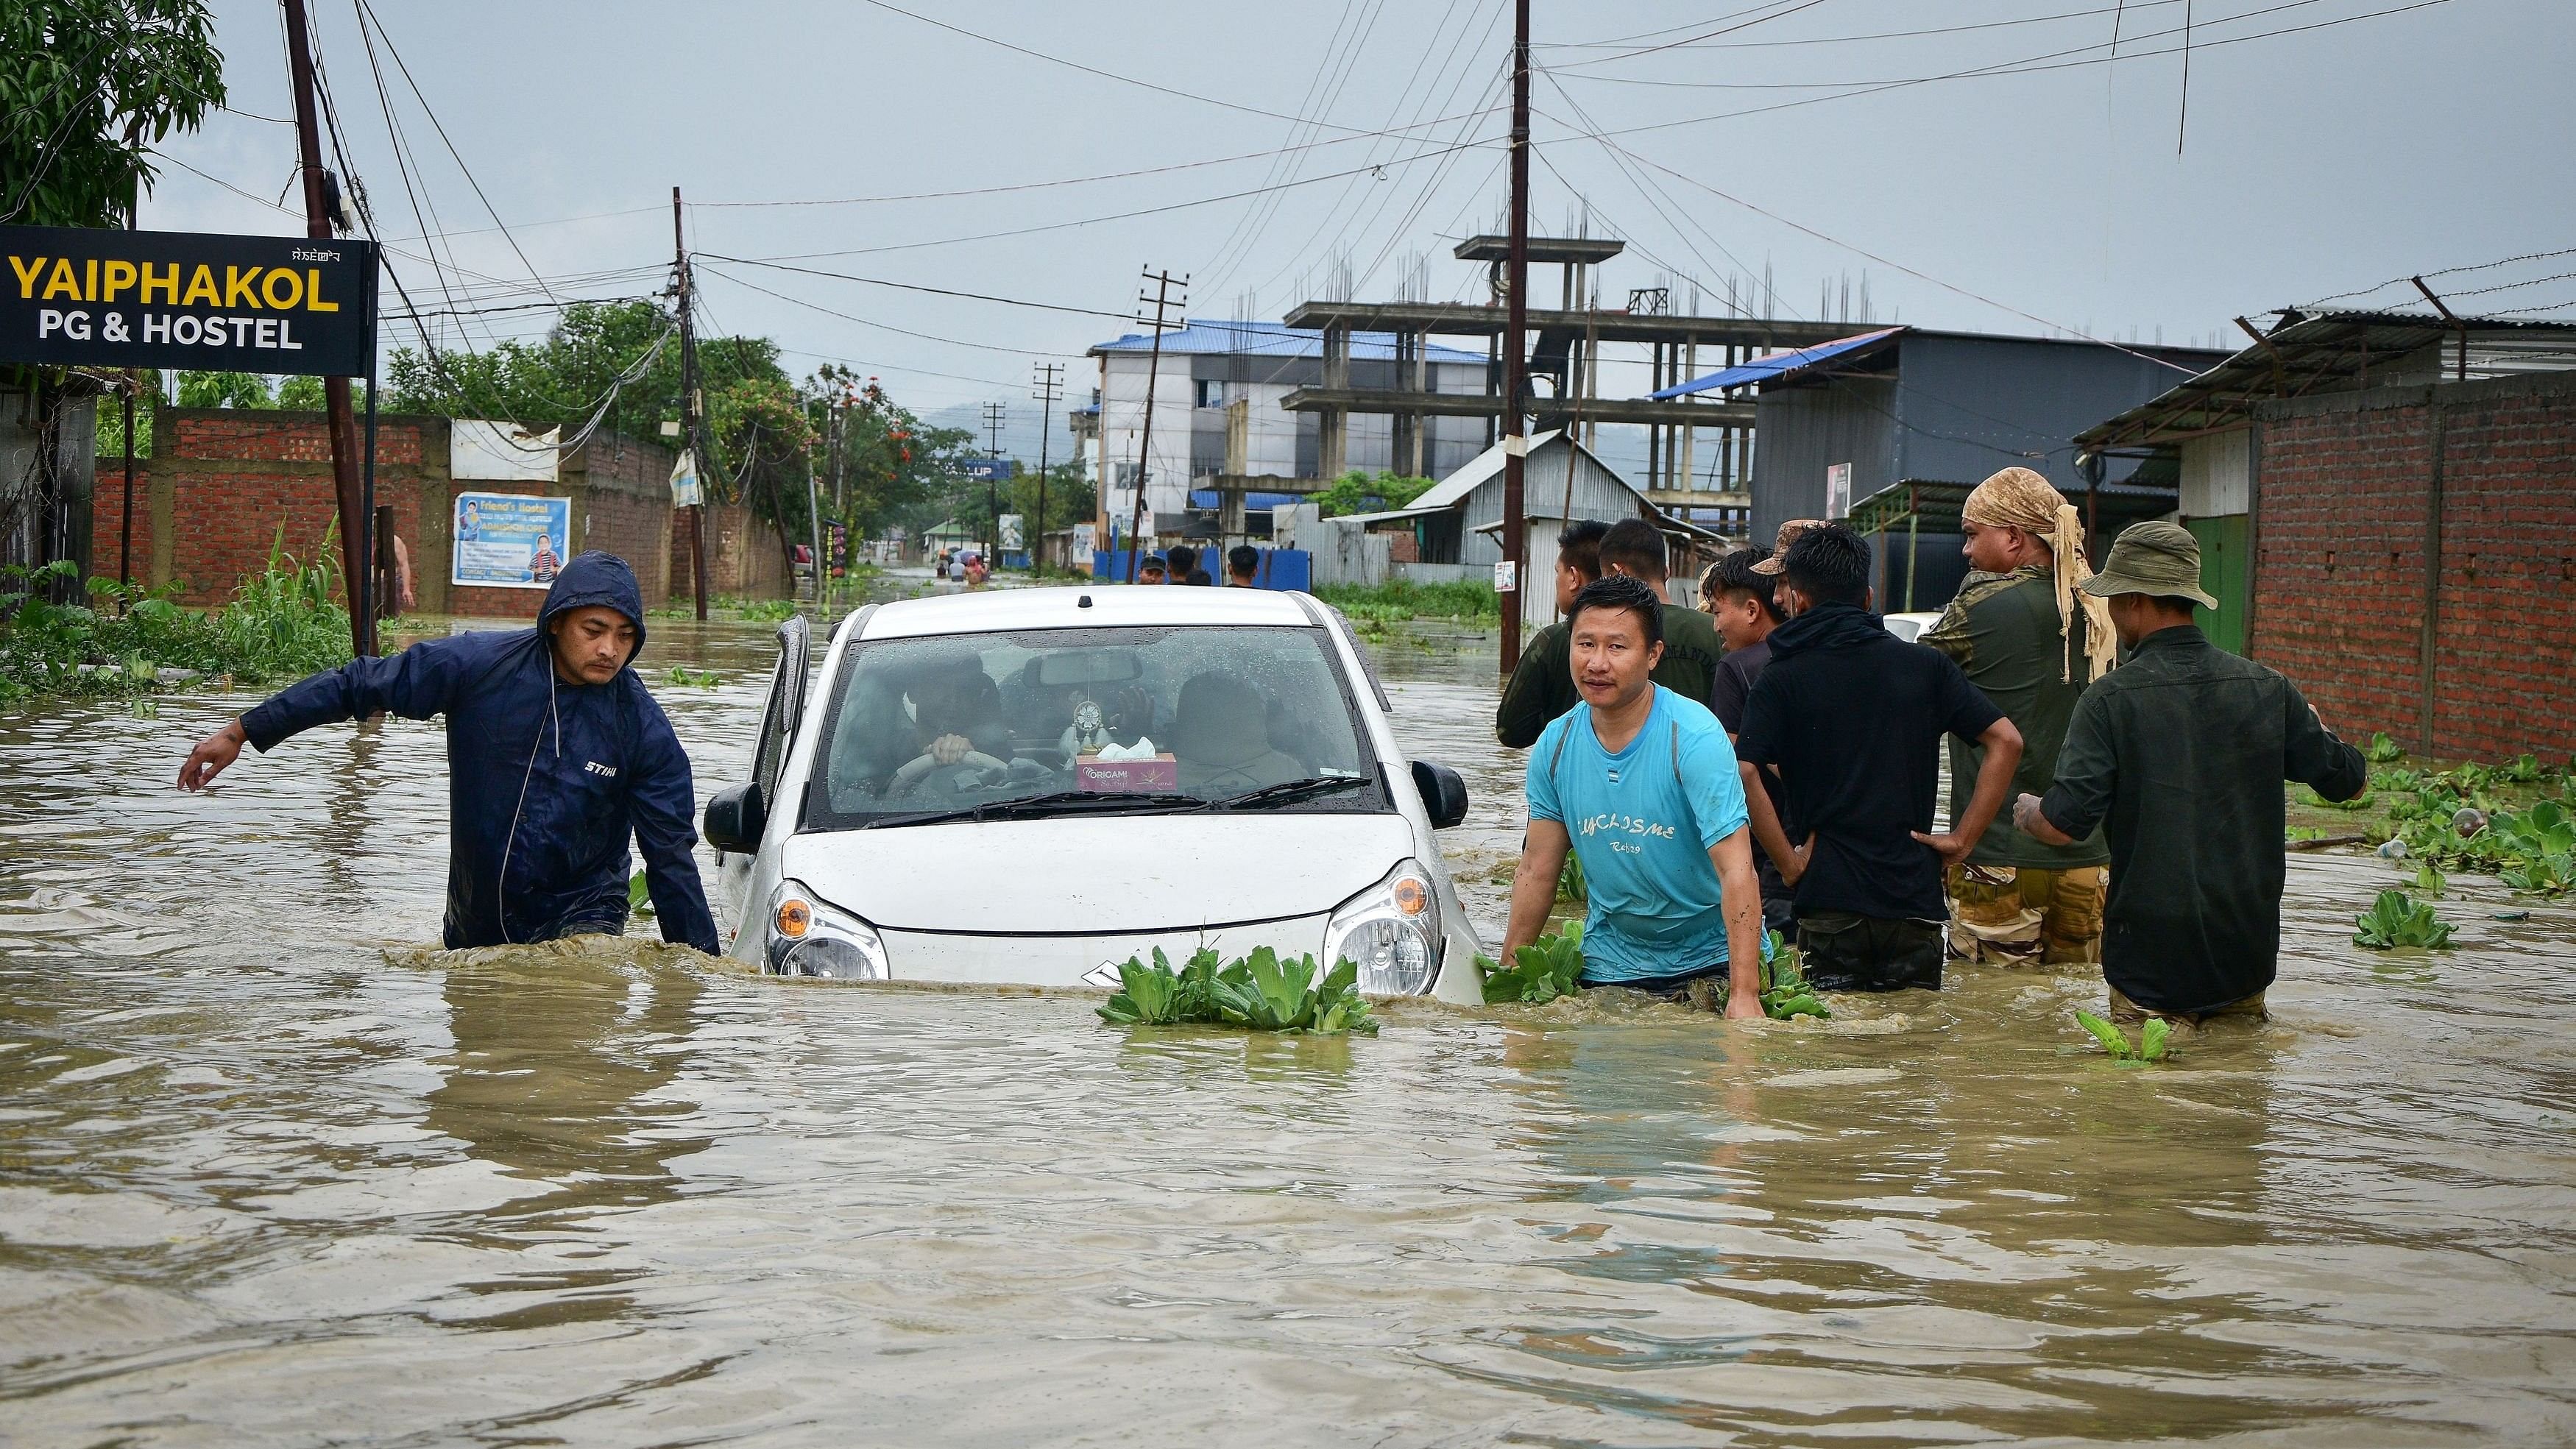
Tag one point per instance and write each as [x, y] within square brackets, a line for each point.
[222, 482]
[2415, 561]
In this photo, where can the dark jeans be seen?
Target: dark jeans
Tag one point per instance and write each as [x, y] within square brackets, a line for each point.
[1673, 987]
[1846, 952]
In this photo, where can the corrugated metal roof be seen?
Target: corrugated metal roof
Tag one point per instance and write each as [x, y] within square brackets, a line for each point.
[2329, 353]
[1271, 339]
[1775, 365]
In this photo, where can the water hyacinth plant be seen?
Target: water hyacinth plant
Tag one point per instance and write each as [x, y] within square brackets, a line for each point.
[1785, 992]
[2151, 1047]
[1542, 971]
[1259, 992]
[2396, 919]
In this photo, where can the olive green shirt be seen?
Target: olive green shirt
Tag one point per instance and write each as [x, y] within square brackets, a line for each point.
[2180, 754]
[1542, 684]
[2003, 631]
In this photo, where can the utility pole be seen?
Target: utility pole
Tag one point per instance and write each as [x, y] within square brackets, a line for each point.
[1050, 386]
[355, 525]
[993, 412]
[1516, 345]
[689, 406]
[1162, 299]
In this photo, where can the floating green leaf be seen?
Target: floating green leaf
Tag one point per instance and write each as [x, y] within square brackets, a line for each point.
[1542, 971]
[1260, 992]
[686, 678]
[2151, 1039]
[639, 895]
[1785, 992]
[2395, 919]
[2383, 749]
[2113, 1040]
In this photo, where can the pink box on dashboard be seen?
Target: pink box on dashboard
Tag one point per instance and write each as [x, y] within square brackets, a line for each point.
[1160, 775]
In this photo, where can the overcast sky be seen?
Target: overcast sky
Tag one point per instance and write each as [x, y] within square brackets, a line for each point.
[2317, 162]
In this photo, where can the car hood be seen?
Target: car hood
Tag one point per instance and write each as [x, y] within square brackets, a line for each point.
[1098, 875]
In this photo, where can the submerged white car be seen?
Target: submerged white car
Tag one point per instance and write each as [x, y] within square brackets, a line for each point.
[1033, 785]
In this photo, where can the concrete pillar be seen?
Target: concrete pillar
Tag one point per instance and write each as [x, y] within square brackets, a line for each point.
[1333, 424]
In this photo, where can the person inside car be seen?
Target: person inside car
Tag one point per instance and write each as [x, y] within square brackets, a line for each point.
[1221, 736]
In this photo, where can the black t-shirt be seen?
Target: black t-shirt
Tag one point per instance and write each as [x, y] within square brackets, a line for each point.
[1854, 718]
[1736, 671]
[1727, 692]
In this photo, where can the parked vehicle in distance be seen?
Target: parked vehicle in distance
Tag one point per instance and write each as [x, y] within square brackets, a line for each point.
[1031, 786]
[1909, 627]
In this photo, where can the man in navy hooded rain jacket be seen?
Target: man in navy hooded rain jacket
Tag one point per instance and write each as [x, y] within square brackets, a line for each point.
[556, 753]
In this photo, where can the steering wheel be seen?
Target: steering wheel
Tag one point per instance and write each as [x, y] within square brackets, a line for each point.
[913, 772]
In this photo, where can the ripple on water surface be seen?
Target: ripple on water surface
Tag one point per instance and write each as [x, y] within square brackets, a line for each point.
[271, 1172]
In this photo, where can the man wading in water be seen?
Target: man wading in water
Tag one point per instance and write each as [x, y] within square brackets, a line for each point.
[555, 754]
[1852, 718]
[2179, 755]
[1640, 784]
[2030, 639]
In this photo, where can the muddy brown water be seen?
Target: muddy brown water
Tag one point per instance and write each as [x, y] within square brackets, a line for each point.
[262, 1182]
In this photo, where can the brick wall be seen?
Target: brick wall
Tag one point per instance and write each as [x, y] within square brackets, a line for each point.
[209, 504]
[2346, 489]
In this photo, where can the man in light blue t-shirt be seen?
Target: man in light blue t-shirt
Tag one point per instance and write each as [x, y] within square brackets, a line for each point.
[1641, 785]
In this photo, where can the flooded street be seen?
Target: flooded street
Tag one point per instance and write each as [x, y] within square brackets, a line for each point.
[261, 1183]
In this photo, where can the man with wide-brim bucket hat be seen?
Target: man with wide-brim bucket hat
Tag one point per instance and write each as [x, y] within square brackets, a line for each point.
[2179, 755]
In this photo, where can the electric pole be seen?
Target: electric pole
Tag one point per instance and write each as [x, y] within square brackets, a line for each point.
[1516, 347]
[355, 525]
[689, 408]
[993, 476]
[1162, 300]
[1050, 386]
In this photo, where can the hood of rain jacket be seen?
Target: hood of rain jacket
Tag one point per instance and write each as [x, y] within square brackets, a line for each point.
[1827, 626]
[546, 781]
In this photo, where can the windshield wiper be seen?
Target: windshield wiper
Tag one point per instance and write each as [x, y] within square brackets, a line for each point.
[1289, 791]
[1060, 802]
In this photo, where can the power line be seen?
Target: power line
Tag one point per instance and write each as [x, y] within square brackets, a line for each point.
[2018, 21]
[1117, 216]
[1096, 71]
[1794, 6]
[2028, 65]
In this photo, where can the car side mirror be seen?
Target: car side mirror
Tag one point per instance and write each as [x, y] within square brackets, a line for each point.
[735, 818]
[1444, 795]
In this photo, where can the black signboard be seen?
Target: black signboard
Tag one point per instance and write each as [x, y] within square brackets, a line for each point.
[89, 297]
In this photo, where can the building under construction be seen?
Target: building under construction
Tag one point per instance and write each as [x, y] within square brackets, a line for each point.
[1699, 452]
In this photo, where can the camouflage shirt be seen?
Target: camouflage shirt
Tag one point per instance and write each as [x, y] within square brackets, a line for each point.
[2004, 633]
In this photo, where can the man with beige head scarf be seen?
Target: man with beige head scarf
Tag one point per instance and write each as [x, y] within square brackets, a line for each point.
[2026, 635]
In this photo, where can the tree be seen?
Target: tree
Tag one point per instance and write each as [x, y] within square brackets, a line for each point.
[1359, 492]
[87, 87]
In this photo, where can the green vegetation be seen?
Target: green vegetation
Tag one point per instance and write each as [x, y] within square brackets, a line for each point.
[1542, 971]
[2149, 1049]
[91, 88]
[639, 896]
[2383, 750]
[1259, 992]
[1785, 992]
[2396, 919]
[683, 677]
[1360, 492]
[281, 624]
[2520, 829]
[1398, 601]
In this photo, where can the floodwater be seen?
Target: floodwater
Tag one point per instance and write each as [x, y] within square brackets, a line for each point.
[263, 1182]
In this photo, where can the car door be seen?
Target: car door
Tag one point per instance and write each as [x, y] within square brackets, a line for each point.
[779, 719]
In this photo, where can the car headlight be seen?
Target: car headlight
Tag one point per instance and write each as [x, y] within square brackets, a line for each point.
[808, 938]
[1391, 931]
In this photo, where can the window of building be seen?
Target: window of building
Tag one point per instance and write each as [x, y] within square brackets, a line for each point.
[1211, 392]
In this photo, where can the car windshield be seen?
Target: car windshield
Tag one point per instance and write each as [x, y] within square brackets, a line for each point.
[1089, 721]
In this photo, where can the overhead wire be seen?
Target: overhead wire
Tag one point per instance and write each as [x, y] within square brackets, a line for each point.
[1092, 70]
